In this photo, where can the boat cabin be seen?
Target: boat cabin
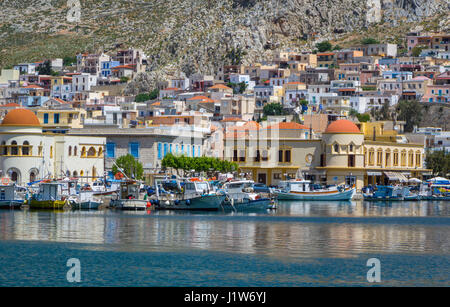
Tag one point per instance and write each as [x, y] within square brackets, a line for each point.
[8, 192]
[129, 190]
[50, 191]
[239, 186]
[197, 187]
[295, 186]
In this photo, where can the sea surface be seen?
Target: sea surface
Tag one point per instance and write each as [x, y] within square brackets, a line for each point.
[300, 244]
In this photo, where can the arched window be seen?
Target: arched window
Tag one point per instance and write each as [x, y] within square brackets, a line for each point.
[371, 156]
[14, 149]
[387, 159]
[411, 158]
[403, 158]
[380, 157]
[336, 148]
[32, 176]
[75, 151]
[395, 160]
[418, 159]
[70, 151]
[91, 152]
[51, 151]
[83, 151]
[26, 149]
[75, 174]
[81, 173]
[100, 152]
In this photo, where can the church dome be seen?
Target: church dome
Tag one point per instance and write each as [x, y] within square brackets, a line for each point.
[21, 117]
[342, 126]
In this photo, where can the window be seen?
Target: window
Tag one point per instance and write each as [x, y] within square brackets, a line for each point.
[75, 151]
[411, 159]
[133, 149]
[277, 176]
[280, 156]
[56, 118]
[26, 148]
[395, 158]
[336, 148]
[45, 118]
[371, 156]
[51, 152]
[387, 159]
[242, 155]
[403, 158]
[287, 156]
[92, 152]
[160, 151]
[110, 150]
[70, 151]
[100, 152]
[14, 148]
[379, 157]
[4, 149]
[418, 159]
[235, 155]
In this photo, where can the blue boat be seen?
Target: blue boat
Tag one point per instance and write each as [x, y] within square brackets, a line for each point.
[9, 198]
[387, 193]
[241, 196]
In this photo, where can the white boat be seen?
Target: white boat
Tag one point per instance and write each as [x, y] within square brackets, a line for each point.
[9, 197]
[194, 196]
[300, 189]
[242, 197]
[129, 197]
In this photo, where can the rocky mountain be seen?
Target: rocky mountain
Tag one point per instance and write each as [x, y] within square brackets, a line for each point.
[196, 35]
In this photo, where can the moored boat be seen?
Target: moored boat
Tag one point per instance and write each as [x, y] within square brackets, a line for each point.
[240, 196]
[187, 195]
[9, 198]
[129, 197]
[387, 193]
[50, 196]
[303, 190]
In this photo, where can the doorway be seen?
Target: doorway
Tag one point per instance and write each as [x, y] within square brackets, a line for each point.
[262, 178]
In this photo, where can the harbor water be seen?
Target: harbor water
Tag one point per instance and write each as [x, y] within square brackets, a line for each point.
[299, 244]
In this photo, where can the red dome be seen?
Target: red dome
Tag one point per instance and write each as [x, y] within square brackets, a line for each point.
[21, 117]
[342, 126]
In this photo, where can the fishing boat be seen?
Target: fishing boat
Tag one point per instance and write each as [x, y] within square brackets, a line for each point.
[9, 198]
[50, 196]
[436, 189]
[186, 195]
[87, 201]
[300, 189]
[388, 193]
[240, 196]
[129, 197]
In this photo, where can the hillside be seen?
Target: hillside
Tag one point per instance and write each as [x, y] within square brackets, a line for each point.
[195, 35]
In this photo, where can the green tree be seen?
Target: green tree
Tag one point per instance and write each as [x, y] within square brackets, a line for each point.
[130, 166]
[154, 94]
[369, 41]
[324, 46]
[439, 162]
[69, 60]
[411, 112]
[273, 109]
[45, 68]
[142, 97]
[124, 79]
[236, 55]
[363, 118]
[416, 51]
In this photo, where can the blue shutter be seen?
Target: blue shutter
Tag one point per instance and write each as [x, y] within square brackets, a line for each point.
[134, 149]
[170, 150]
[110, 150]
[159, 151]
[45, 118]
[193, 151]
[199, 151]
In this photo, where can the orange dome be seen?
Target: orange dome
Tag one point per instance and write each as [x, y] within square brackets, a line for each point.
[21, 117]
[342, 126]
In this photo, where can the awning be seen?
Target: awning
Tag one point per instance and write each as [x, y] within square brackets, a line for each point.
[374, 174]
[402, 177]
[396, 176]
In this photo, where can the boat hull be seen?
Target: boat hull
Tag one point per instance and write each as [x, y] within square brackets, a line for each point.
[48, 204]
[323, 196]
[203, 203]
[87, 205]
[371, 198]
[129, 204]
[250, 205]
[11, 204]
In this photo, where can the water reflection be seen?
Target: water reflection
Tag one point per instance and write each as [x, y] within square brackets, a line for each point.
[295, 230]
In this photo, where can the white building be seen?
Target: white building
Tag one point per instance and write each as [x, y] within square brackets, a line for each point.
[27, 154]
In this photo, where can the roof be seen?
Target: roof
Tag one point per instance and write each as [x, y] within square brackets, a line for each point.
[21, 117]
[171, 89]
[34, 86]
[342, 126]
[295, 83]
[220, 86]
[288, 126]
[10, 105]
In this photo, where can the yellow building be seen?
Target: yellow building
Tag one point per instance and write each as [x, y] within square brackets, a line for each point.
[342, 156]
[61, 119]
